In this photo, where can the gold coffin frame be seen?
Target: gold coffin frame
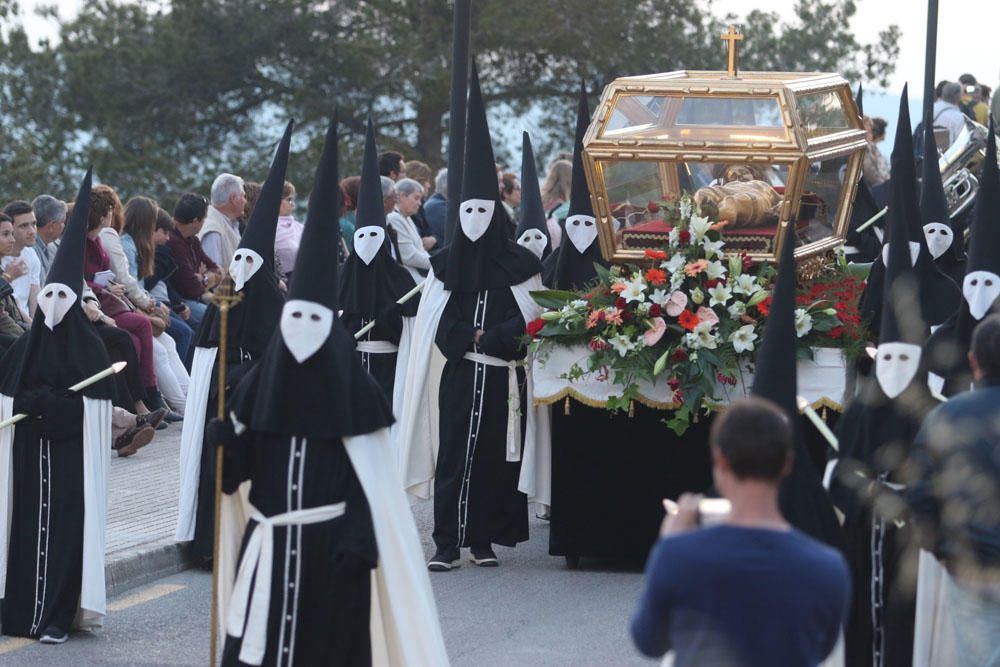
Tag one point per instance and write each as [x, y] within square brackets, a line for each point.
[796, 153]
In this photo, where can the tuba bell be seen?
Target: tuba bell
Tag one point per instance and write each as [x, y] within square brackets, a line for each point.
[959, 165]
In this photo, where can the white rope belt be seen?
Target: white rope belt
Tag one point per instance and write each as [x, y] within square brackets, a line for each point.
[377, 347]
[513, 400]
[258, 560]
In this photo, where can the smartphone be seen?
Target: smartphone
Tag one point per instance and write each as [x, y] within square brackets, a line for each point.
[711, 511]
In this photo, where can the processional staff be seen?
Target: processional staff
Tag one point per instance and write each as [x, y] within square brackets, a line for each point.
[224, 299]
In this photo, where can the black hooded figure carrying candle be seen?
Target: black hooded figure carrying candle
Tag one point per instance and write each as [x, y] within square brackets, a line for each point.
[343, 581]
[54, 464]
[473, 311]
[250, 324]
[373, 281]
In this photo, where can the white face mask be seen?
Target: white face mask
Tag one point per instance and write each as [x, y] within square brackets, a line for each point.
[582, 231]
[305, 326]
[939, 237]
[914, 252]
[980, 289]
[245, 263]
[896, 365]
[54, 301]
[368, 241]
[535, 241]
[475, 216]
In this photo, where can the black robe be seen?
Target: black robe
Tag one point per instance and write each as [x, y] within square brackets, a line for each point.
[321, 576]
[388, 328]
[45, 556]
[876, 440]
[476, 501]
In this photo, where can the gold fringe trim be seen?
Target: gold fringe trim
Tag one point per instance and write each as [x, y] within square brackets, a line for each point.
[569, 392]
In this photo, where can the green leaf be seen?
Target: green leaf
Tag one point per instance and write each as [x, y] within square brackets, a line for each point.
[554, 299]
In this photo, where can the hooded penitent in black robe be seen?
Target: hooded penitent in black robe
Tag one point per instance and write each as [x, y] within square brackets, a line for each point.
[875, 436]
[532, 231]
[867, 242]
[939, 295]
[571, 265]
[476, 497]
[53, 564]
[802, 498]
[373, 280]
[948, 347]
[249, 327]
[313, 439]
[945, 236]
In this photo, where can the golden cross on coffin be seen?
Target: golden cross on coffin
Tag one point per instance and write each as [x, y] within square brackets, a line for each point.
[732, 36]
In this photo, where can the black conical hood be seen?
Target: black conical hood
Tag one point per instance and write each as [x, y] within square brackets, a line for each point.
[371, 206]
[532, 211]
[900, 290]
[315, 275]
[579, 200]
[802, 499]
[933, 203]
[904, 174]
[67, 266]
[859, 99]
[259, 234]
[479, 173]
[775, 370]
[984, 246]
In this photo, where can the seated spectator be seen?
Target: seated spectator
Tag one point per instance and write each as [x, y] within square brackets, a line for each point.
[12, 321]
[422, 174]
[412, 251]
[390, 165]
[159, 270]
[251, 191]
[436, 207]
[555, 197]
[220, 231]
[751, 591]
[350, 185]
[50, 219]
[29, 281]
[956, 503]
[287, 236]
[196, 273]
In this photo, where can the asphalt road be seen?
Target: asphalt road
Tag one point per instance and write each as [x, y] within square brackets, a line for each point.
[529, 611]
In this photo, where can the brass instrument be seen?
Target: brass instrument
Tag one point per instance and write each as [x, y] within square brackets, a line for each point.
[959, 165]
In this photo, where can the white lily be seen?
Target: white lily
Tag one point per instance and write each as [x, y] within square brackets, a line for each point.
[635, 290]
[746, 284]
[803, 322]
[720, 295]
[743, 339]
[578, 303]
[737, 309]
[699, 227]
[702, 337]
[712, 248]
[715, 271]
[622, 344]
[659, 296]
[685, 208]
[697, 296]
[675, 263]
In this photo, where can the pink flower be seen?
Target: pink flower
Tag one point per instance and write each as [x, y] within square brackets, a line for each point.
[677, 302]
[694, 268]
[614, 316]
[653, 335]
[707, 315]
[618, 288]
[594, 318]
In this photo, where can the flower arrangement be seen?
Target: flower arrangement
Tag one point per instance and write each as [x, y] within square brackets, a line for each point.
[693, 316]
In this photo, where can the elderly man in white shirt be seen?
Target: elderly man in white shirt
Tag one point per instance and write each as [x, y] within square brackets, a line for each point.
[220, 233]
[946, 111]
[412, 248]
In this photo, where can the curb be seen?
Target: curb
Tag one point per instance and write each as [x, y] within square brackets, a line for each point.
[131, 568]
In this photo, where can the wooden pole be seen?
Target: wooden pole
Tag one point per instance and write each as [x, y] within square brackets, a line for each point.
[224, 299]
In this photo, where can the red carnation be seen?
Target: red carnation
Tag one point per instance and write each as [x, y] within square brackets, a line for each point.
[626, 316]
[535, 326]
[688, 320]
[656, 254]
[674, 383]
[764, 307]
[684, 237]
[652, 207]
[679, 355]
[621, 303]
[596, 344]
[655, 310]
[836, 332]
[747, 262]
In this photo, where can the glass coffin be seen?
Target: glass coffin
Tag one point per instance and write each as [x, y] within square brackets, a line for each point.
[762, 151]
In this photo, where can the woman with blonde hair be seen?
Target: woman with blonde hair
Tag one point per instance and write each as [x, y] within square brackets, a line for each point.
[555, 197]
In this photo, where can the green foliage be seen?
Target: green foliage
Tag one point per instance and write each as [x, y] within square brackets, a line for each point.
[161, 95]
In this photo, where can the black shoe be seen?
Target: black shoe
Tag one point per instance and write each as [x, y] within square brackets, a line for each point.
[445, 560]
[172, 417]
[53, 635]
[484, 557]
[154, 419]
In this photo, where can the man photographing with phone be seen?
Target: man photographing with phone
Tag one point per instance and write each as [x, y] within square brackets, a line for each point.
[749, 590]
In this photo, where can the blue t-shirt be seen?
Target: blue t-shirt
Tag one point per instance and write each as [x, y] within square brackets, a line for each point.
[730, 595]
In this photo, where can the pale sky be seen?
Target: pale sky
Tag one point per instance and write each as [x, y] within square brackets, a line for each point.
[967, 33]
